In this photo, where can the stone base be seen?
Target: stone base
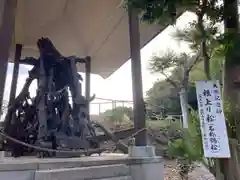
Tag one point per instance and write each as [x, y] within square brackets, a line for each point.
[141, 151]
[140, 164]
[2, 155]
[147, 165]
[110, 172]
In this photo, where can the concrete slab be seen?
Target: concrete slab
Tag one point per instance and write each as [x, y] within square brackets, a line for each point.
[145, 165]
[121, 167]
[117, 178]
[12, 165]
[32, 163]
[18, 164]
[141, 151]
[149, 171]
[17, 175]
[84, 173]
[81, 162]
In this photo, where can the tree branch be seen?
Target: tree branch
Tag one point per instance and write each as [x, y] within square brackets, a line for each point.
[195, 60]
[203, 48]
[169, 80]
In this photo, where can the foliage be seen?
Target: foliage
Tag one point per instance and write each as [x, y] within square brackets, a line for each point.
[159, 11]
[182, 64]
[163, 99]
[174, 132]
[119, 114]
[194, 37]
[202, 37]
[216, 65]
[189, 147]
[230, 120]
[205, 40]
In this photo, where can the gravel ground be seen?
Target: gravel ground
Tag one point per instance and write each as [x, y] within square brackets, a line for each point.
[198, 173]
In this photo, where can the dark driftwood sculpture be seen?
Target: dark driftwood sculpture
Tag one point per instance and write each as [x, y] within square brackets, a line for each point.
[50, 120]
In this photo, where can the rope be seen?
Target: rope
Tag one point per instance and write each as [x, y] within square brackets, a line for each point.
[128, 138]
[90, 151]
[136, 133]
[85, 152]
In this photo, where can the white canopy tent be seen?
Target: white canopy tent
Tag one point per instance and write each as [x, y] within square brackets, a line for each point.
[96, 28]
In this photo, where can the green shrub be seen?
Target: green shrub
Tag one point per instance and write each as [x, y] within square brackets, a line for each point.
[187, 148]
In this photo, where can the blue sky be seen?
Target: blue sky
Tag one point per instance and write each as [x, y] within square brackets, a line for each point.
[113, 87]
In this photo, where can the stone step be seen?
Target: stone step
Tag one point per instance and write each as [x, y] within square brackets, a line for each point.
[106, 172]
[117, 178]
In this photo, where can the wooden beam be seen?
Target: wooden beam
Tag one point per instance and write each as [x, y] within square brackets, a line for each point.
[138, 102]
[7, 22]
[18, 51]
[127, 133]
[32, 61]
[119, 144]
[123, 134]
[88, 83]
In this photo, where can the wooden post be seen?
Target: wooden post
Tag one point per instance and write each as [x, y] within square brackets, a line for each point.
[7, 21]
[88, 82]
[42, 116]
[138, 102]
[18, 52]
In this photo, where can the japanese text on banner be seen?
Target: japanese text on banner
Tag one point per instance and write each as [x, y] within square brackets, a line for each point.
[213, 127]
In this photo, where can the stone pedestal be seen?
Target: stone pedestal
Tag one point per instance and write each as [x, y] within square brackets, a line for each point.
[140, 164]
[2, 155]
[145, 165]
[141, 151]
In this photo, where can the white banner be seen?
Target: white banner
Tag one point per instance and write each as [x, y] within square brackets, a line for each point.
[212, 120]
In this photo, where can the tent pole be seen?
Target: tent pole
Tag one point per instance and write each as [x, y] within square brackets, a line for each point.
[88, 82]
[7, 22]
[138, 102]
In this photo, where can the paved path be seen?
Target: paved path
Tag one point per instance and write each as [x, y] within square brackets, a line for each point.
[199, 173]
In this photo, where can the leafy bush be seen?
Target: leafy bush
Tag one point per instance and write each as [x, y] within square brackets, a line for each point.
[174, 131]
[118, 115]
[187, 148]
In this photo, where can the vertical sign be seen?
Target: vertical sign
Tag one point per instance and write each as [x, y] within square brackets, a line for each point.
[213, 126]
